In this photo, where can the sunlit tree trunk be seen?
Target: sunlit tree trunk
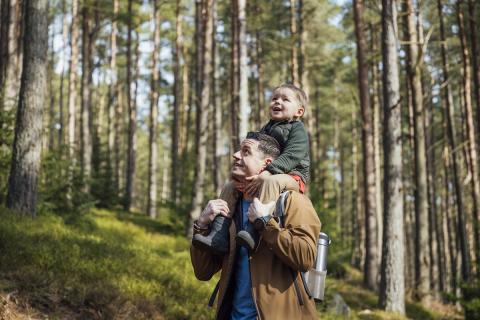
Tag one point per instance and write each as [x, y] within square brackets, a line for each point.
[370, 272]
[177, 100]
[132, 114]
[61, 138]
[476, 70]
[243, 70]
[72, 95]
[293, 34]
[217, 108]
[471, 132]
[25, 165]
[234, 80]
[85, 125]
[152, 141]
[422, 258]
[392, 288]
[451, 136]
[12, 47]
[200, 166]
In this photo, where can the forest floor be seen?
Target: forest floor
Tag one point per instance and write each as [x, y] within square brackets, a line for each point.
[115, 265]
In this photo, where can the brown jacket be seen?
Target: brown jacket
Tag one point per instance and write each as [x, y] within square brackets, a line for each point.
[281, 254]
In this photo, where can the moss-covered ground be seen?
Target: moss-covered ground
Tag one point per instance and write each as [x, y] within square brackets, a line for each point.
[116, 265]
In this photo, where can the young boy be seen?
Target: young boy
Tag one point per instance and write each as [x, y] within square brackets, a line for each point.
[290, 171]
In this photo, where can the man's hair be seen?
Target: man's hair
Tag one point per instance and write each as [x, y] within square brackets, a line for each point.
[268, 145]
[299, 93]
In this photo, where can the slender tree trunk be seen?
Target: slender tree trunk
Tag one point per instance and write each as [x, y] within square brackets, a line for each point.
[261, 107]
[471, 132]
[199, 184]
[422, 261]
[217, 109]
[152, 141]
[85, 133]
[370, 275]
[447, 242]
[376, 137]
[177, 99]
[476, 70]
[234, 80]
[72, 96]
[243, 70]
[293, 34]
[455, 155]
[23, 180]
[112, 101]
[61, 138]
[132, 115]
[355, 259]
[392, 289]
[51, 113]
[12, 65]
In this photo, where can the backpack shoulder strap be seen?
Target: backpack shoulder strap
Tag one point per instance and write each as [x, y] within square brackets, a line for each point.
[280, 207]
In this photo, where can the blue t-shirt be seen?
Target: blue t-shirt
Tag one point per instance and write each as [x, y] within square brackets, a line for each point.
[243, 305]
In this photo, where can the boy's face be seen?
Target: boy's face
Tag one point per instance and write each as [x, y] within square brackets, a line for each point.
[285, 105]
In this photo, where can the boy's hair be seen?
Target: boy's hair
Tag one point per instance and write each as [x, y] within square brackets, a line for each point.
[299, 93]
[268, 145]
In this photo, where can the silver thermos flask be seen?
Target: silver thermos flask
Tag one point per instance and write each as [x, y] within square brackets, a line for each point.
[315, 278]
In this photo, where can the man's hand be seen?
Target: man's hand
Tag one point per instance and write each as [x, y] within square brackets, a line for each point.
[255, 182]
[213, 208]
[258, 209]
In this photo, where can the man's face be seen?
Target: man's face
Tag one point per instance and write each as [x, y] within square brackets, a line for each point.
[248, 161]
[285, 105]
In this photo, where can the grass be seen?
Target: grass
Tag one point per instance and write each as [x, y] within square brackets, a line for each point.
[112, 264]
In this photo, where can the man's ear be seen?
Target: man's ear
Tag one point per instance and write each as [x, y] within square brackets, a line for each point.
[268, 160]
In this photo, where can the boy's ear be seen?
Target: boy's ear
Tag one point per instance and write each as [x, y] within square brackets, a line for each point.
[300, 112]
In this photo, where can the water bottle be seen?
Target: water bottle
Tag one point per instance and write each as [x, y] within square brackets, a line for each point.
[315, 278]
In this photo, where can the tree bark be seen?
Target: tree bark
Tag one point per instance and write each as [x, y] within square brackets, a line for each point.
[293, 35]
[217, 109]
[234, 80]
[243, 70]
[72, 96]
[132, 115]
[470, 128]
[11, 65]
[61, 138]
[370, 275]
[23, 180]
[200, 166]
[476, 70]
[392, 289]
[85, 125]
[422, 258]
[451, 136]
[177, 100]
[152, 141]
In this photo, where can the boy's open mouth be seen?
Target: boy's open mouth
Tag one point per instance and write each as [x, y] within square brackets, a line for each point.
[277, 108]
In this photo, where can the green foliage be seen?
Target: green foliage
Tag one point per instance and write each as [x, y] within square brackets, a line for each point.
[116, 265]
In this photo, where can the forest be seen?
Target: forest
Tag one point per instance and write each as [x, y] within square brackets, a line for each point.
[119, 119]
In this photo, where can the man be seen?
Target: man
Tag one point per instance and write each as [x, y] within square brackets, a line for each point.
[265, 284]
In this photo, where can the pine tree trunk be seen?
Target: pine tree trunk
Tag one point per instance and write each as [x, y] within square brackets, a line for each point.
[217, 110]
[392, 289]
[61, 138]
[370, 275]
[243, 70]
[72, 96]
[51, 90]
[355, 259]
[23, 180]
[112, 102]
[293, 35]
[422, 258]
[200, 166]
[85, 126]
[152, 141]
[471, 132]
[451, 135]
[447, 237]
[476, 70]
[177, 100]
[132, 114]
[13, 50]
[234, 80]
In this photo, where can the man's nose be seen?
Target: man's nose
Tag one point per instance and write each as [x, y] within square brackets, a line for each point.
[237, 155]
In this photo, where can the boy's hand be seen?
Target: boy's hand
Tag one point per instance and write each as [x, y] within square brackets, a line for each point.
[255, 182]
[258, 209]
[213, 208]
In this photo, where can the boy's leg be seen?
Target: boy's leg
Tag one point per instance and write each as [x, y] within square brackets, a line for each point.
[217, 239]
[270, 191]
[274, 185]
